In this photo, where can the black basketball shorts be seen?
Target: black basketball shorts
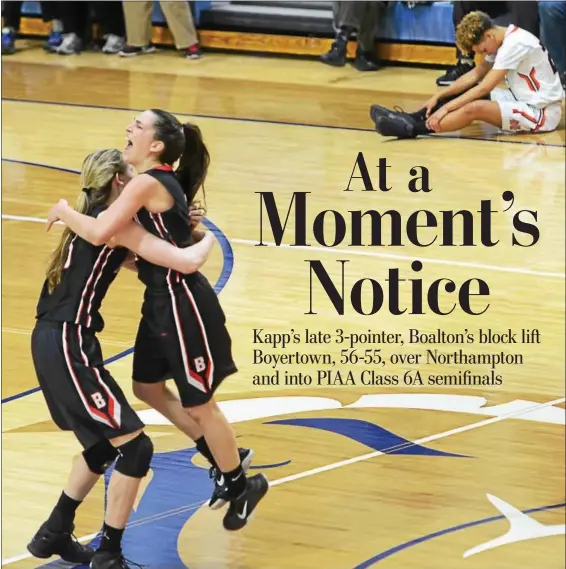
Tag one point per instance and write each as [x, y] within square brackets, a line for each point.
[80, 393]
[182, 336]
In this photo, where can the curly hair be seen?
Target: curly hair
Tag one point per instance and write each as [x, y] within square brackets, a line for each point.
[471, 29]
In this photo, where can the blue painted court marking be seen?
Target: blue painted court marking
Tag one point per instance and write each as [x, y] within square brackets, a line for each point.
[267, 121]
[388, 553]
[366, 433]
[225, 273]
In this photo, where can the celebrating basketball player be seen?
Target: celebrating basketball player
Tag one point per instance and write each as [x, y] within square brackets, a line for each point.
[533, 102]
[80, 393]
[182, 333]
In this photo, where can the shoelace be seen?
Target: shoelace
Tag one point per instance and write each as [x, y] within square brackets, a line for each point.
[127, 564]
[75, 540]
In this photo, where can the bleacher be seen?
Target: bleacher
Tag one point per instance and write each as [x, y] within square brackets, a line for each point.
[422, 34]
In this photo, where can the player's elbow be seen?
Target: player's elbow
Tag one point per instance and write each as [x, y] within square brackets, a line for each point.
[99, 236]
[190, 266]
[96, 240]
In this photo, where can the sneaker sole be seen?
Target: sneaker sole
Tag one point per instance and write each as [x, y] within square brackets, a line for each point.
[48, 555]
[122, 54]
[334, 63]
[246, 463]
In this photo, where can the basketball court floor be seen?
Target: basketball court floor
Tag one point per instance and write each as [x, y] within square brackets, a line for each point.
[363, 476]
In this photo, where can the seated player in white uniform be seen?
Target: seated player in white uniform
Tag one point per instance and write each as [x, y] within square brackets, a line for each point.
[532, 102]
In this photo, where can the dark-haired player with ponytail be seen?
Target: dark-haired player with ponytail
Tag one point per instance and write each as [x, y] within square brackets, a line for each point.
[80, 393]
[533, 102]
[182, 333]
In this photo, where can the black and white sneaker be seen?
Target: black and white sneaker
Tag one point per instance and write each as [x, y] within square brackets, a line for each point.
[113, 44]
[194, 52]
[454, 73]
[397, 126]
[217, 500]
[241, 508]
[47, 542]
[133, 50]
[71, 44]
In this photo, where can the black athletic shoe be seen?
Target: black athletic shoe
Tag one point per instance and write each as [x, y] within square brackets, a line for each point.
[218, 499]
[241, 509]
[365, 61]
[377, 111]
[111, 560]
[132, 50]
[397, 126]
[46, 543]
[337, 54]
[454, 73]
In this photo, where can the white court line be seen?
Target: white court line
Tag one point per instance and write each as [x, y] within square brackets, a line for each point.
[409, 259]
[375, 254]
[339, 464]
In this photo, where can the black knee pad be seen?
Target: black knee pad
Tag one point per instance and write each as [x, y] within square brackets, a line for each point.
[135, 457]
[100, 456]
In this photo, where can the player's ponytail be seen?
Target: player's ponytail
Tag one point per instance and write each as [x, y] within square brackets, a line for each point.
[193, 164]
[97, 174]
[183, 143]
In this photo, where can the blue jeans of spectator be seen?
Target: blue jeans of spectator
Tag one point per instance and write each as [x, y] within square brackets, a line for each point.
[553, 24]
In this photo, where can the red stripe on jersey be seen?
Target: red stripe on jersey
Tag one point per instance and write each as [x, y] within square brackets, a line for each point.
[93, 292]
[210, 364]
[70, 254]
[105, 251]
[528, 80]
[92, 411]
[523, 114]
[535, 81]
[114, 409]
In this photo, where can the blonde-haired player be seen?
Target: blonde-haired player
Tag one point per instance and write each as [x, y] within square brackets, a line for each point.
[532, 102]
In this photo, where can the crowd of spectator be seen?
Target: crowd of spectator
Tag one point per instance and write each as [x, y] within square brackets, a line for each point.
[126, 29]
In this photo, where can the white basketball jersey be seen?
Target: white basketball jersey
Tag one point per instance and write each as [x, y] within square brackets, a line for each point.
[531, 75]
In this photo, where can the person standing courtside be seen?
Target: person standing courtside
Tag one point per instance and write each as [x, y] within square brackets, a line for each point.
[351, 18]
[138, 16]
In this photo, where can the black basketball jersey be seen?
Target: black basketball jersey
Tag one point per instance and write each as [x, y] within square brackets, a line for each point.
[172, 225]
[87, 274]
